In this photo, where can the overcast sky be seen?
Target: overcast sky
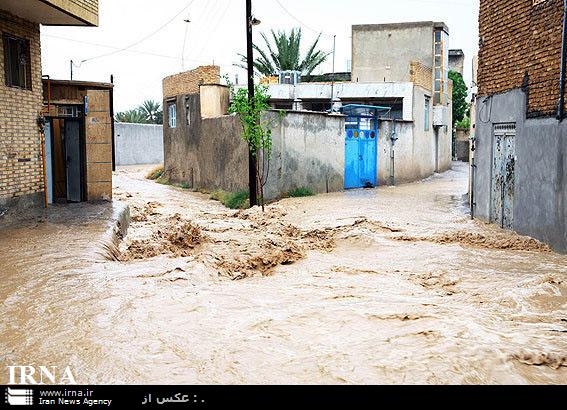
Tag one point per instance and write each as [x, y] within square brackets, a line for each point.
[155, 32]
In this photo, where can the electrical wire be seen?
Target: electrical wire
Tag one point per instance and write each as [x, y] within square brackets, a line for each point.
[142, 52]
[153, 33]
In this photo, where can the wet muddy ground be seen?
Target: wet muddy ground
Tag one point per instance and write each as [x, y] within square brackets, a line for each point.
[391, 285]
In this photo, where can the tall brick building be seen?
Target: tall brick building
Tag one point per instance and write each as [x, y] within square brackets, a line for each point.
[520, 174]
[21, 92]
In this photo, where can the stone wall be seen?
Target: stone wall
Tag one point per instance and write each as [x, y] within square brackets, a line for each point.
[21, 170]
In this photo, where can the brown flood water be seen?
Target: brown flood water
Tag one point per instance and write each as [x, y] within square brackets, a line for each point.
[392, 285]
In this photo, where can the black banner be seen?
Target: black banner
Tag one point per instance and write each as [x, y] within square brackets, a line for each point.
[207, 397]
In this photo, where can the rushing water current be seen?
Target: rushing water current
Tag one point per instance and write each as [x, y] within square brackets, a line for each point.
[390, 285]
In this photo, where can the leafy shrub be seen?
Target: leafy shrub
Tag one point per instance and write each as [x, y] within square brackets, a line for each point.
[232, 200]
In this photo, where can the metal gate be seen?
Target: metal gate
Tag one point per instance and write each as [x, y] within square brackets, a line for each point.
[361, 155]
[503, 174]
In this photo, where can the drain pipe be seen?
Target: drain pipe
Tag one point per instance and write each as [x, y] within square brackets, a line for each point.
[473, 172]
[393, 139]
[561, 104]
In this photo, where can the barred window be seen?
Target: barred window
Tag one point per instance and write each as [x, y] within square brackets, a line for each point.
[17, 62]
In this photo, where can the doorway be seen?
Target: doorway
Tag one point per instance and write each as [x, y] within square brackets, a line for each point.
[361, 145]
[503, 175]
[65, 159]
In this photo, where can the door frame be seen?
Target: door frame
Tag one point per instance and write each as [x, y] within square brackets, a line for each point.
[82, 150]
[502, 132]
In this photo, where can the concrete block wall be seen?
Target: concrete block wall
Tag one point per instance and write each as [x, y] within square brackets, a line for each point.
[518, 38]
[21, 169]
[137, 144]
[189, 82]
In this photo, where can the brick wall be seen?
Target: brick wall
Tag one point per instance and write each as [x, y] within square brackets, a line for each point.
[21, 171]
[421, 75]
[517, 38]
[189, 81]
[86, 10]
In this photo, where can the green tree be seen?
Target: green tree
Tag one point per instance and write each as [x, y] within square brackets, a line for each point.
[132, 116]
[283, 52]
[255, 131]
[460, 93]
[152, 111]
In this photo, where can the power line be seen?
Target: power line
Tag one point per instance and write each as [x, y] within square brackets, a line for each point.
[301, 22]
[143, 38]
[143, 52]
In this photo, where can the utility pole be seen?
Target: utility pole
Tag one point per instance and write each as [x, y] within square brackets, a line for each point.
[252, 178]
[333, 78]
[71, 65]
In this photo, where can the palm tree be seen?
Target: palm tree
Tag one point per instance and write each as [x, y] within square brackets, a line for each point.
[152, 111]
[132, 116]
[285, 54]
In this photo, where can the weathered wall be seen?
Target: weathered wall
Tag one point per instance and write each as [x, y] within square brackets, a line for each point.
[462, 144]
[206, 153]
[418, 152]
[138, 144]
[21, 170]
[308, 151]
[518, 38]
[414, 153]
[214, 100]
[540, 193]
[210, 154]
[189, 82]
[384, 52]
[457, 61]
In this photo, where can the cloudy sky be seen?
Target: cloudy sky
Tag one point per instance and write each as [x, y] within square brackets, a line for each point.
[142, 41]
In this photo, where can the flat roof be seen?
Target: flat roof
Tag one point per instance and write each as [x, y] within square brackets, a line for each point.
[83, 84]
[400, 26]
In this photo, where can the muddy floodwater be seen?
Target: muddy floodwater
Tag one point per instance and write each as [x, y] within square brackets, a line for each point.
[390, 285]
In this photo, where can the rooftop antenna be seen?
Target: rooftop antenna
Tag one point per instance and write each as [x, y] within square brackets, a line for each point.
[187, 21]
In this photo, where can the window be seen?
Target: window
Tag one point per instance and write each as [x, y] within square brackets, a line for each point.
[17, 62]
[441, 65]
[172, 110]
[426, 111]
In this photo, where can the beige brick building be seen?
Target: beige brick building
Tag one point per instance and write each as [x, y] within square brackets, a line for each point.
[21, 92]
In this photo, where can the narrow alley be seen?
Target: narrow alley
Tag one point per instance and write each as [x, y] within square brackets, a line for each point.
[388, 285]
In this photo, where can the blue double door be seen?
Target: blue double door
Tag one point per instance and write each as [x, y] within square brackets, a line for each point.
[361, 152]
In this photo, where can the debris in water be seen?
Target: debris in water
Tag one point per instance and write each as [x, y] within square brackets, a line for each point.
[555, 361]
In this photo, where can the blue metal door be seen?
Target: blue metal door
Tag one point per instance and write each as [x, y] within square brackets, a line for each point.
[361, 152]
